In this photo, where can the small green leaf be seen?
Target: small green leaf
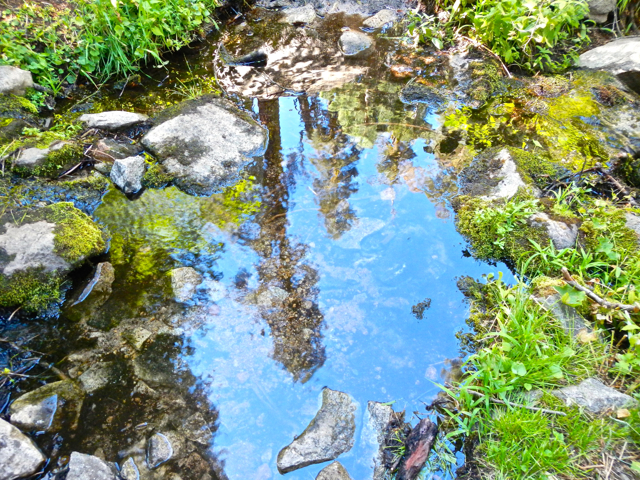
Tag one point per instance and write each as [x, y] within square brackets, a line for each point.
[571, 296]
[519, 369]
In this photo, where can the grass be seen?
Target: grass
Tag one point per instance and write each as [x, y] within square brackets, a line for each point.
[98, 39]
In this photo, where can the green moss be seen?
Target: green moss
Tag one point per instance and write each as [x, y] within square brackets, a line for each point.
[156, 176]
[32, 289]
[57, 161]
[487, 80]
[90, 182]
[15, 107]
[534, 167]
[77, 237]
[606, 221]
[498, 230]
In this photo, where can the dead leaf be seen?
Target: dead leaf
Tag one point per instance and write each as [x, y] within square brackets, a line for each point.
[623, 413]
[587, 337]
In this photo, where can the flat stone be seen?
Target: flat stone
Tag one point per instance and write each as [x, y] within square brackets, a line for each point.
[32, 246]
[184, 282]
[327, 436]
[99, 376]
[562, 235]
[334, 471]
[572, 322]
[293, 16]
[31, 157]
[114, 120]
[19, 456]
[88, 467]
[377, 418]
[35, 415]
[137, 337]
[594, 396]
[353, 42]
[204, 143]
[14, 80]
[129, 470]
[620, 57]
[492, 176]
[599, 10]
[127, 173]
[109, 150]
[380, 19]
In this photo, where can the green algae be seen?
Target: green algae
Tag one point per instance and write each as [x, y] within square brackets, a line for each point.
[32, 289]
[156, 176]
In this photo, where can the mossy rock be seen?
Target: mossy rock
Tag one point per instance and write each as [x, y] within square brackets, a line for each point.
[57, 158]
[38, 247]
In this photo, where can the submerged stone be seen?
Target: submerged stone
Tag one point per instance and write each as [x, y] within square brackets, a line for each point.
[594, 396]
[19, 457]
[162, 447]
[492, 176]
[129, 470]
[49, 407]
[88, 467]
[127, 173]
[620, 57]
[184, 282]
[306, 14]
[380, 19]
[327, 436]
[352, 42]
[377, 419]
[98, 289]
[14, 80]
[203, 143]
[114, 120]
[334, 471]
[99, 376]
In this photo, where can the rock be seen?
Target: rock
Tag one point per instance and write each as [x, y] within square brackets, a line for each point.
[492, 176]
[620, 57]
[594, 396]
[415, 92]
[333, 471]
[599, 10]
[98, 290]
[88, 467]
[19, 456]
[115, 120]
[561, 234]
[129, 470]
[204, 143]
[633, 223]
[49, 242]
[196, 429]
[14, 80]
[109, 150]
[184, 282]
[99, 376]
[293, 16]
[31, 157]
[46, 408]
[162, 447]
[380, 19]
[327, 436]
[127, 173]
[572, 322]
[137, 337]
[377, 418]
[352, 42]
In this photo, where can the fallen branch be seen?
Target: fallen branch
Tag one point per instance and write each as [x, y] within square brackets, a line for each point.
[418, 446]
[596, 298]
[392, 123]
[615, 183]
[517, 405]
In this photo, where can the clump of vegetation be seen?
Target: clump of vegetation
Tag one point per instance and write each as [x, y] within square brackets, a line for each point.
[77, 237]
[98, 39]
[156, 176]
[520, 33]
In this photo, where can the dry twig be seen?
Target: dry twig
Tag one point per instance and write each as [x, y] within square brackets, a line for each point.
[596, 298]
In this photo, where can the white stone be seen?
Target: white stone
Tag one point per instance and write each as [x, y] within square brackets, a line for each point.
[113, 120]
[31, 157]
[305, 14]
[88, 467]
[353, 42]
[561, 234]
[14, 80]
[19, 456]
[510, 181]
[127, 173]
[594, 396]
[380, 19]
[184, 281]
[620, 57]
[599, 10]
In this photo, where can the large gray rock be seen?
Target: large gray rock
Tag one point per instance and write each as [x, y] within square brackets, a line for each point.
[594, 396]
[88, 467]
[306, 14]
[184, 282]
[204, 143]
[35, 157]
[127, 173]
[377, 419]
[46, 408]
[599, 10]
[563, 235]
[572, 322]
[14, 80]
[492, 176]
[19, 457]
[114, 120]
[353, 42]
[620, 57]
[380, 19]
[334, 471]
[329, 434]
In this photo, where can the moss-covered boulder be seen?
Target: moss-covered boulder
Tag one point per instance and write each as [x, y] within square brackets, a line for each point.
[38, 247]
[16, 113]
[49, 161]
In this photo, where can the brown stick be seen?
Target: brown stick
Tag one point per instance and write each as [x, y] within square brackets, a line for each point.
[615, 183]
[392, 123]
[511, 404]
[419, 444]
[593, 296]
